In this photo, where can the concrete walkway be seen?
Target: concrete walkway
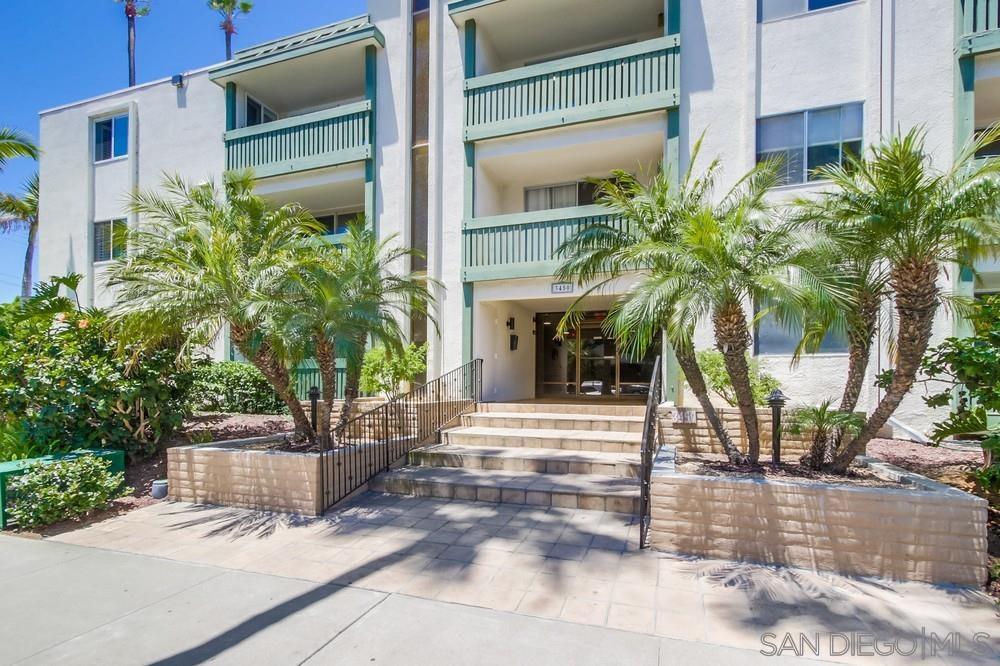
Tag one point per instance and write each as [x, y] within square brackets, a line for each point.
[63, 604]
[576, 566]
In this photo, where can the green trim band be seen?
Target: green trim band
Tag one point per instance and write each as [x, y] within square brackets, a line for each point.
[535, 217]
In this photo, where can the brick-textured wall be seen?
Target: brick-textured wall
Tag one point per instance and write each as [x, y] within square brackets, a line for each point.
[700, 438]
[930, 533]
[231, 476]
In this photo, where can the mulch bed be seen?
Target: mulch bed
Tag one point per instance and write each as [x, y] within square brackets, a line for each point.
[786, 471]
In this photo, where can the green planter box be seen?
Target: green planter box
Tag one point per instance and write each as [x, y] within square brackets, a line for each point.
[18, 467]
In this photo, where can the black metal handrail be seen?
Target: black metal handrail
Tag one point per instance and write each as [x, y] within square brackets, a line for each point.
[650, 447]
[375, 440]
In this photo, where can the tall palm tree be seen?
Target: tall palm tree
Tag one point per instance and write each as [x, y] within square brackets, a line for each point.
[22, 213]
[230, 10]
[15, 144]
[375, 300]
[133, 10]
[600, 254]
[206, 259]
[919, 218]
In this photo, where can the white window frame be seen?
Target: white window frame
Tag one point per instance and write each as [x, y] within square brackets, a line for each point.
[114, 222]
[93, 136]
[806, 113]
[804, 12]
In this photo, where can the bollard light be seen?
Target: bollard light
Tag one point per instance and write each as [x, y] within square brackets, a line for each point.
[314, 400]
[777, 401]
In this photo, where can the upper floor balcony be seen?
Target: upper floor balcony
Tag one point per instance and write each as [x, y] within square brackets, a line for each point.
[302, 102]
[531, 67]
[980, 26]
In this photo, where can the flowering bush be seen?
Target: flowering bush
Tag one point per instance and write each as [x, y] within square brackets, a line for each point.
[67, 383]
[49, 492]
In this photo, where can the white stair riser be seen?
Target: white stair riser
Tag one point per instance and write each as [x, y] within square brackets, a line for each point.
[525, 464]
[486, 420]
[603, 409]
[568, 444]
[403, 486]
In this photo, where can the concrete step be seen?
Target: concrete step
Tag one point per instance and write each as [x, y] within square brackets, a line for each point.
[540, 438]
[594, 408]
[542, 461]
[583, 491]
[554, 421]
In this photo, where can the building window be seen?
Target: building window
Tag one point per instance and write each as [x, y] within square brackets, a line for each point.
[258, 114]
[768, 10]
[337, 223]
[772, 338]
[566, 195]
[807, 140]
[110, 138]
[109, 239]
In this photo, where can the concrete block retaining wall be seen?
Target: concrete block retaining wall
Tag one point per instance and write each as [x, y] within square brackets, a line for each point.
[927, 532]
[699, 438]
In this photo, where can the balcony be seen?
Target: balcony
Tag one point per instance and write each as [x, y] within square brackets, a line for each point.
[980, 29]
[300, 143]
[524, 245]
[624, 80]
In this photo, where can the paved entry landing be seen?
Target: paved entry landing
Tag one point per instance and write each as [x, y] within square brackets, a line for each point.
[571, 565]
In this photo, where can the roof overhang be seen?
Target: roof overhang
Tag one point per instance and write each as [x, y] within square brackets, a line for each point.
[462, 10]
[352, 31]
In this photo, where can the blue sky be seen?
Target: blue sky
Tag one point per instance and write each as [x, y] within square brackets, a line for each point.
[62, 51]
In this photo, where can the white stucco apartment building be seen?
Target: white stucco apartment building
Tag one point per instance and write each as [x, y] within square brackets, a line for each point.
[470, 127]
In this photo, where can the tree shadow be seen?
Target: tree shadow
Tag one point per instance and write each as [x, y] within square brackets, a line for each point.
[450, 534]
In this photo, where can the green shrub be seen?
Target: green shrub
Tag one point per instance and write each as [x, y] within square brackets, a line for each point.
[382, 372]
[713, 366]
[14, 442]
[49, 492]
[70, 383]
[233, 388]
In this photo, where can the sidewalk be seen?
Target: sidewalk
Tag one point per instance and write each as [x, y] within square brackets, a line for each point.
[64, 604]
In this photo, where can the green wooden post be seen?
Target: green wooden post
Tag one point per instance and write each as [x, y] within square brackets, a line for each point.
[371, 93]
[230, 106]
[965, 101]
[671, 17]
[469, 199]
[467, 304]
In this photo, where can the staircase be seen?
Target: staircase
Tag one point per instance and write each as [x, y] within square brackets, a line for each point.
[582, 456]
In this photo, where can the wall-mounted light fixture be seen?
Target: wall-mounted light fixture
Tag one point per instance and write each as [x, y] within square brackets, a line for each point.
[513, 342]
[510, 323]
[177, 80]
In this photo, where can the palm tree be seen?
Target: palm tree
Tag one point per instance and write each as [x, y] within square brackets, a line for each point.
[230, 10]
[15, 144]
[205, 259]
[600, 254]
[375, 300]
[822, 422]
[22, 213]
[918, 218]
[133, 10]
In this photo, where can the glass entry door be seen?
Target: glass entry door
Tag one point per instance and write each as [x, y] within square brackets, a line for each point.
[586, 362]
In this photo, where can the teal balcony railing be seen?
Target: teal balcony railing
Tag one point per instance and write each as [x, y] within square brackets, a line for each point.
[300, 143]
[980, 26]
[613, 82]
[524, 244]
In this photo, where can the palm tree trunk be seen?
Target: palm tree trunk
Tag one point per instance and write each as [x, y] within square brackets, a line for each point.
[29, 258]
[352, 381]
[860, 335]
[917, 297]
[131, 51]
[688, 362]
[229, 45]
[732, 336]
[276, 373]
[327, 363]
